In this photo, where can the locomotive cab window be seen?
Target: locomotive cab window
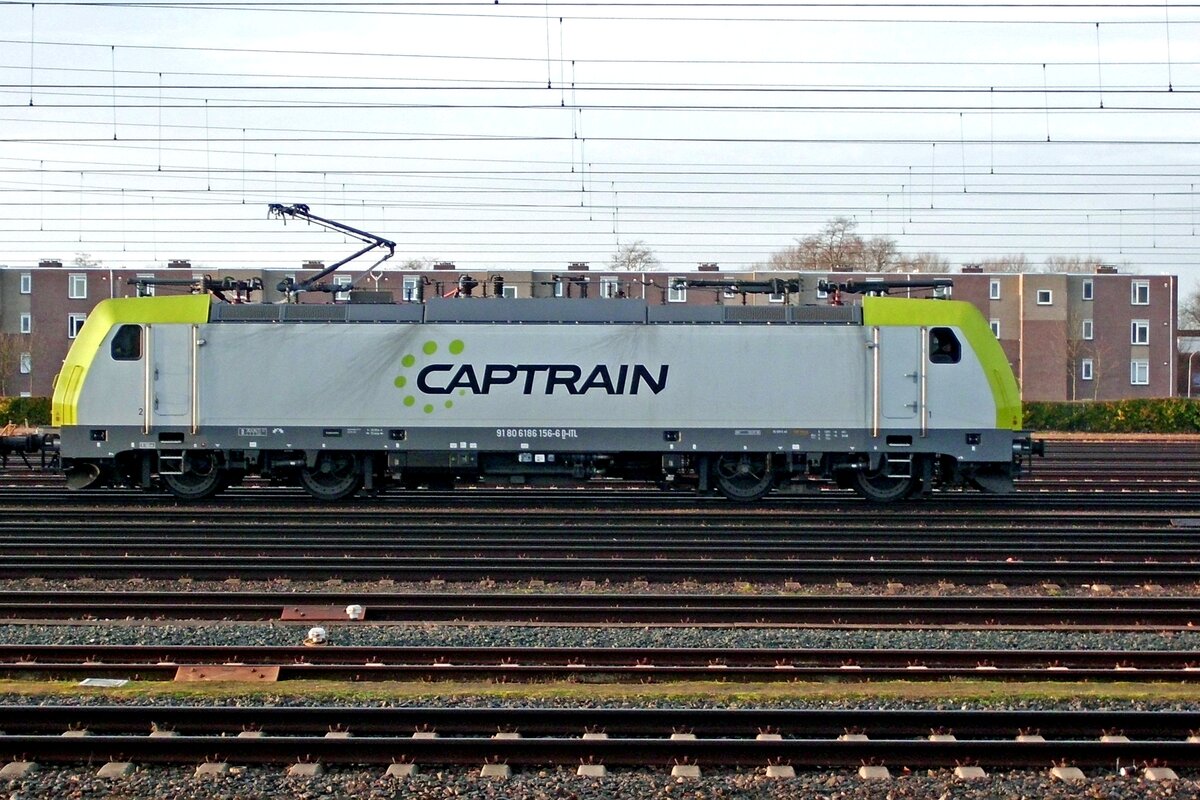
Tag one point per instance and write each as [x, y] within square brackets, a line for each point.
[127, 343]
[944, 347]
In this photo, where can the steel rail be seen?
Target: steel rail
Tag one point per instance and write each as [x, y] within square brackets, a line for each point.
[894, 547]
[541, 664]
[195, 720]
[612, 752]
[613, 508]
[1103, 612]
[1092, 487]
[218, 567]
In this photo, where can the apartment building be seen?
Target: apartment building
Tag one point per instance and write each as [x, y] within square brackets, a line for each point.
[1071, 336]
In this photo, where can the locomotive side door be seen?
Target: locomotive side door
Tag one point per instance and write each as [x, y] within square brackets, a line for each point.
[899, 374]
[170, 378]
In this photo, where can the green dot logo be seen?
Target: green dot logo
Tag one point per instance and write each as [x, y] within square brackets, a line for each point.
[411, 360]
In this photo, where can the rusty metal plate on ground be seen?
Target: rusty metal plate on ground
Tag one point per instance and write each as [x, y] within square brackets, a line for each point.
[227, 672]
[318, 614]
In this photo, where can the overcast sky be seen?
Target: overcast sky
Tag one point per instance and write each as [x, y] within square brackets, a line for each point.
[530, 135]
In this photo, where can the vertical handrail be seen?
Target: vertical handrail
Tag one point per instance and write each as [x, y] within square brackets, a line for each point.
[195, 411]
[875, 388]
[923, 378]
[148, 382]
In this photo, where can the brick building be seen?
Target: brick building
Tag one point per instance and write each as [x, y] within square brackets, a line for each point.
[1070, 336]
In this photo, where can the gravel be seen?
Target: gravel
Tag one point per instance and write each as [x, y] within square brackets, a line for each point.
[279, 634]
[254, 783]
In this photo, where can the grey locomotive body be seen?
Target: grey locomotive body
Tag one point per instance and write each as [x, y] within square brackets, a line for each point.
[892, 397]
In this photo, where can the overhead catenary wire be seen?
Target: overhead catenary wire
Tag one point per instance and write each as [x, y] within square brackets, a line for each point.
[172, 103]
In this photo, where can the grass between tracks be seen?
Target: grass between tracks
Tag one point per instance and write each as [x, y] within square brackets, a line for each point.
[585, 694]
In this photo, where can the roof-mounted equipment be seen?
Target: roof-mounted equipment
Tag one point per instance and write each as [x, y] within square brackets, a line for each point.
[776, 286]
[312, 284]
[220, 288]
[883, 286]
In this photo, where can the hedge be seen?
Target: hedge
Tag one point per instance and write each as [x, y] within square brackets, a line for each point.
[1176, 415]
[33, 411]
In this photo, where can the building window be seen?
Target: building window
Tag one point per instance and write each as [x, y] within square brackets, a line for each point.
[1089, 330]
[1139, 293]
[74, 324]
[1045, 297]
[1087, 290]
[610, 286]
[26, 323]
[676, 293]
[26, 363]
[1139, 372]
[1139, 331]
[775, 297]
[26, 283]
[411, 292]
[558, 288]
[994, 289]
[822, 293]
[77, 287]
[995, 328]
[509, 290]
[1085, 369]
[342, 280]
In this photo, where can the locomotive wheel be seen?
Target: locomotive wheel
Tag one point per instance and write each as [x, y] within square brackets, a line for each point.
[202, 477]
[743, 478]
[335, 476]
[879, 487]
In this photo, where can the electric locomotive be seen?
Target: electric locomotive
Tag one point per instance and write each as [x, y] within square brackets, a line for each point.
[892, 397]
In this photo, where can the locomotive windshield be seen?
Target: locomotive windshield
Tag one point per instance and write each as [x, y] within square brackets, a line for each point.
[944, 347]
[127, 343]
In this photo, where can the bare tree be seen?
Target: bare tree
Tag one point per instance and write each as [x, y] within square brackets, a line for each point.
[418, 264]
[634, 257]
[1014, 263]
[923, 262]
[1072, 264]
[1189, 310]
[792, 259]
[837, 247]
[11, 345]
[879, 255]
[85, 260]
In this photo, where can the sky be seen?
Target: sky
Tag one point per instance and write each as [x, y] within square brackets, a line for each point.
[529, 135]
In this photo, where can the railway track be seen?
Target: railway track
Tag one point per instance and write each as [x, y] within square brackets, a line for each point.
[639, 665]
[630, 737]
[1100, 612]
[653, 570]
[566, 539]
